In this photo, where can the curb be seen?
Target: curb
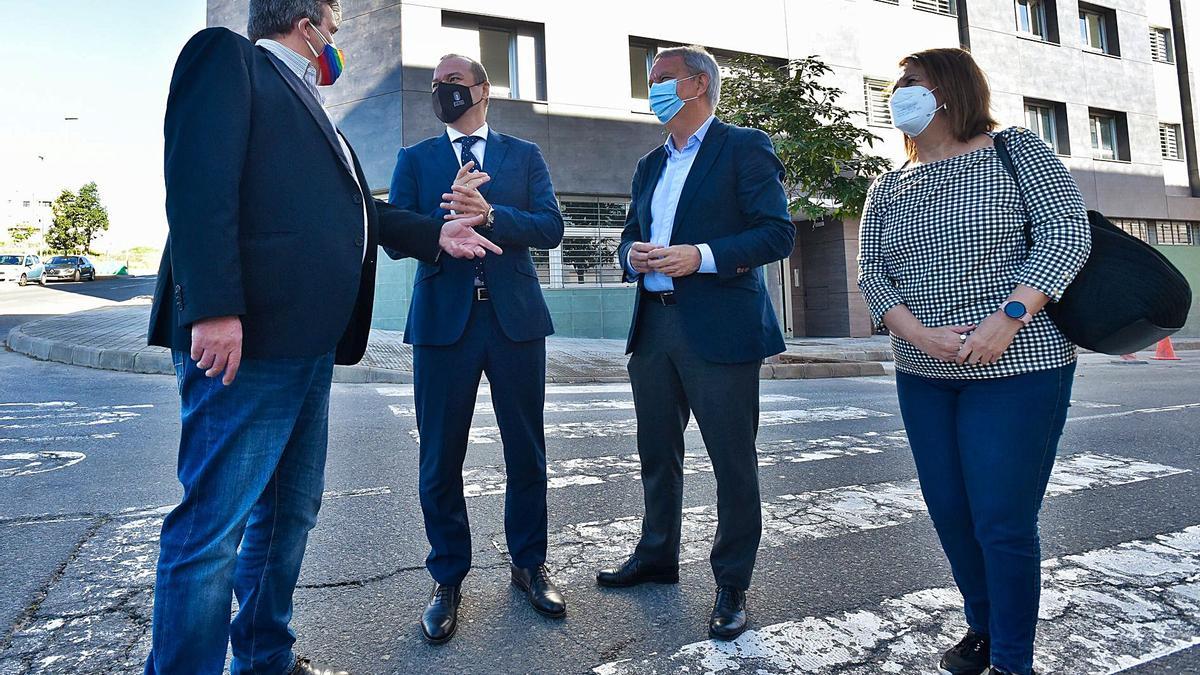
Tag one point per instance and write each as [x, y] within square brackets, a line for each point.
[157, 361]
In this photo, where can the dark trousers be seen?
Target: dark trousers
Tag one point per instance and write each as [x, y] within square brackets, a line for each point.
[446, 385]
[670, 382]
[252, 465]
[984, 450]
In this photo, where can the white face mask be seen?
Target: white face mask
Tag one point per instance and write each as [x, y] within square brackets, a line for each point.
[913, 109]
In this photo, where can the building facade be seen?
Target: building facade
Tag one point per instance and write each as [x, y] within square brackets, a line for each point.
[1107, 84]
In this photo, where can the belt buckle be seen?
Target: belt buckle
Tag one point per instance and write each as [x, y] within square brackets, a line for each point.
[667, 298]
[481, 293]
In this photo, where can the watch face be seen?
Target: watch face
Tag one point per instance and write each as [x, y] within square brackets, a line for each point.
[1015, 309]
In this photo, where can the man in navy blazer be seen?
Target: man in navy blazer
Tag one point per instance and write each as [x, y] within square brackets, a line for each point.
[260, 184]
[470, 317]
[708, 211]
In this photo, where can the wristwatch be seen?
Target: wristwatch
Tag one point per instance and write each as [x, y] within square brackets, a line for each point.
[1015, 309]
[491, 217]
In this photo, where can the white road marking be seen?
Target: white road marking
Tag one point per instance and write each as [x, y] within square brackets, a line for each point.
[406, 390]
[486, 407]
[56, 439]
[1093, 404]
[490, 480]
[1142, 411]
[1102, 611]
[43, 404]
[628, 427]
[577, 550]
[28, 463]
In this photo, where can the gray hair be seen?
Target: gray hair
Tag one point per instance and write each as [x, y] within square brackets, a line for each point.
[698, 60]
[477, 69]
[277, 17]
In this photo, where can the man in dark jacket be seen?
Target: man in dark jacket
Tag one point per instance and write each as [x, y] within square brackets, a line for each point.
[267, 280]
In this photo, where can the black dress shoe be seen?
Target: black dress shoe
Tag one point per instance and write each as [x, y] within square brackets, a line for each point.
[634, 572]
[729, 618]
[440, 618]
[310, 667]
[541, 591]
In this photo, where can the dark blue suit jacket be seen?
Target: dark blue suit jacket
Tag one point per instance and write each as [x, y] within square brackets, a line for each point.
[527, 216]
[733, 200]
[265, 214]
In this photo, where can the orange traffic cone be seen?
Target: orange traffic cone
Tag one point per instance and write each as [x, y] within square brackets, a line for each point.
[1165, 352]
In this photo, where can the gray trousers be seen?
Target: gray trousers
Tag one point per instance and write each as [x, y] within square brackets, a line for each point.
[671, 382]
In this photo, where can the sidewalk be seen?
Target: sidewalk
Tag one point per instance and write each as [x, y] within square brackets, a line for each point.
[114, 338]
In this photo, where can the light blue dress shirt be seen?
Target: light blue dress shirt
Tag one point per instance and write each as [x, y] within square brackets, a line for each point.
[666, 201]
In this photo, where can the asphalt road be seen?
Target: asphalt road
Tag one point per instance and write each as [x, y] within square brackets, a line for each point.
[18, 305]
[850, 577]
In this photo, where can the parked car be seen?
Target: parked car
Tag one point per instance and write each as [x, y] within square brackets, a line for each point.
[70, 268]
[22, 268]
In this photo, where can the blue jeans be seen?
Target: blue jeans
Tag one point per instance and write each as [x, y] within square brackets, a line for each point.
[252, 465]
[984, 450]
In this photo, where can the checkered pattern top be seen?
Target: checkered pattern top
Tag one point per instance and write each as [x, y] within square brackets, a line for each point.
[947, 240]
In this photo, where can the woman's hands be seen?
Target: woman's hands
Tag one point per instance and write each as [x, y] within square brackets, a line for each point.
[990, 340]
[942, 343]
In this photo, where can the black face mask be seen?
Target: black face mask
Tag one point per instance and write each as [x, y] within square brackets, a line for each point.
[451, 101]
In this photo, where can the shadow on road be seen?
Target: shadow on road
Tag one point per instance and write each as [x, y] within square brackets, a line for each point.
[117, 289]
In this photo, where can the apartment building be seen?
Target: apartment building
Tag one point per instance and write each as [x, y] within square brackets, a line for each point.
[1106, 84]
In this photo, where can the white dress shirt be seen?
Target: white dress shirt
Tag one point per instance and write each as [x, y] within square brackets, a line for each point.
[307, 72]
[477, 150]
[665, 203]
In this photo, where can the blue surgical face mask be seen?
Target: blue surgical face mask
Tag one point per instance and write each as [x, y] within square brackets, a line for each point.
[665, 101]
[913, 109]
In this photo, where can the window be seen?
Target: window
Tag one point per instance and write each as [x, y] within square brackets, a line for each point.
[641, 58]
[25, 203]
[588, 253]
[1162, 48]
[1137, 228]
[947, 7]
[1175, 233]
[1048, 120]
[1168, 140]
[877, 93]
[512, 52]
[1098, 29]
[1037, 19]
[1110, 135]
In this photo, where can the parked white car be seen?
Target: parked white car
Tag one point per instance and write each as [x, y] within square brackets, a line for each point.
[22, 268]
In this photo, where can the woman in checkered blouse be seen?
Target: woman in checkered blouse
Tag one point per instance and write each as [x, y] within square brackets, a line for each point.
[983, 375]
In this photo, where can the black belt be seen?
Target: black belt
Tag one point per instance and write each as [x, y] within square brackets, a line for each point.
[481, 293]
[661, 297]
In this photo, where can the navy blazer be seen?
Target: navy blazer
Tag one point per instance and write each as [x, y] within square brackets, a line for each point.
[265, 215]
[527, 216]
[733, 200]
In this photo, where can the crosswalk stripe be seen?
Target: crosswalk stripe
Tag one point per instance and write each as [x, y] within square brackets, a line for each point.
[578, 549]
[628, 427]
[490, 480]
[406, 390]
[486, 407]
[1140, 411]
[1102, 611]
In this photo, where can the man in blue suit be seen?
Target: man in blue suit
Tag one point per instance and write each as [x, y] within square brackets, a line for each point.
[708, 211]
[469, 317]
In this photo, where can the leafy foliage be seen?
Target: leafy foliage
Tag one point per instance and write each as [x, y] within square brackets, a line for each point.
[824, 153]
[78, 219]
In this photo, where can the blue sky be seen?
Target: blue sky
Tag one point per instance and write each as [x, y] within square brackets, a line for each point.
[109, 64]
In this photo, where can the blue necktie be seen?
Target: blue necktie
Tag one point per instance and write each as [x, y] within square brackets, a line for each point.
[467, 143]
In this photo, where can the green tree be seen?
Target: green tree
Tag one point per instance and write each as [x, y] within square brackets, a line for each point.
[63, 234]
[21, 233]
[824, 153]
[78, 219]
[93, 216]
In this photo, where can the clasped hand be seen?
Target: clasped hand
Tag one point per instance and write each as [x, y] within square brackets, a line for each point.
[468, 210]
[673, 261]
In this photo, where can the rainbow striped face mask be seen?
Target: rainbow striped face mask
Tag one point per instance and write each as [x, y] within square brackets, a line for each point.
[330, 61]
